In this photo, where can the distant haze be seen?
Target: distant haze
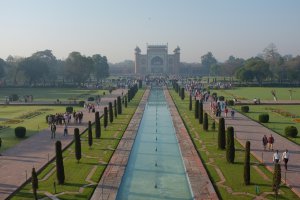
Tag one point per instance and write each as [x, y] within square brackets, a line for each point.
[114, 28]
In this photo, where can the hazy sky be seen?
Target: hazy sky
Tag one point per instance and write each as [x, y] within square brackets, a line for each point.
[242, 28]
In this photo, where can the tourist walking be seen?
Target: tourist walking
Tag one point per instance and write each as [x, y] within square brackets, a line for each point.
[265, 141]
[271, 142]
[66, 129]
[226, 111]
[285, 158]
[276, 157]
[53, 130]
[232, 114]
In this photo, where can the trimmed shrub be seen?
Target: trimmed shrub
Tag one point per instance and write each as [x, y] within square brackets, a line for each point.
[90, 136]
[245, 109]
[60, 172]
[115, 108]
[205, 122]
[119, 103]
[247, 164]
[221, 134]
[213, 126]
[91, 99]
[230, 149]
[34, 182]
[221, 98]
[263, 118]
[77, 144]
[291, 131]
[97, 126]
[182, 94]
[69, 109]
[105, 117]
[230, 102]
[20, 132]
[197, 109]
[81, 103]
[110, 111]
[200, 112]
[191, 101]
[125, 101]
[276, 178]
[13, 97]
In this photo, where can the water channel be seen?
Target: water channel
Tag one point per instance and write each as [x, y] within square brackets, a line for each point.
[155, 169]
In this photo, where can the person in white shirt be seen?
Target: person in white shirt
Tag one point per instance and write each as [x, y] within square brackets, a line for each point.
[276, 157]
[285, 158]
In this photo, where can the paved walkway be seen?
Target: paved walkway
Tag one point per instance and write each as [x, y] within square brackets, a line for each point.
[247, 129]
[269, 102]
[16, 163]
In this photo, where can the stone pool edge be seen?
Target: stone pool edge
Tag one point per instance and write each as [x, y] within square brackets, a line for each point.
[201, 185]
[109, 184]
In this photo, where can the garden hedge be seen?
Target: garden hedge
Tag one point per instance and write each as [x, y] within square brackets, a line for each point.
[291, 131]
[245, 109]
[20, 132]
[263, 118]
[69, 109]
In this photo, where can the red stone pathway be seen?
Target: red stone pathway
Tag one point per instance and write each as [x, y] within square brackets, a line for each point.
[18, 161]
[247, 129]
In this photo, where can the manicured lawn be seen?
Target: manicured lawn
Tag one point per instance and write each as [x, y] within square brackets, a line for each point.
[264, 93]
[31, 117]
[278, 121]
[232, 187]
[92, 163]
[51, 94]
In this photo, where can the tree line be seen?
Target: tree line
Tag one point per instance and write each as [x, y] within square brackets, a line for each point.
[43, 68]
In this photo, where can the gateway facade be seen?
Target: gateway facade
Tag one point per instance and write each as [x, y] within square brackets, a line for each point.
[157, 60]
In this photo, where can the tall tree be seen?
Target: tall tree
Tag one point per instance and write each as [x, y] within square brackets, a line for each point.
[34, 69]
[119, 103]
[207, 61]
[276, 178]
[101, 67]
[205, 122]
[78, 68]
[105, 115]
[97, 126]
[115, 108]
[221, 134]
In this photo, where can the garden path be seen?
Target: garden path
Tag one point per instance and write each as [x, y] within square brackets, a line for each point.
[16, 163]
[247, 129]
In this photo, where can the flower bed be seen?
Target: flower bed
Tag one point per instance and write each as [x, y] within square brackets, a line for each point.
[30, 115]
[281, 112]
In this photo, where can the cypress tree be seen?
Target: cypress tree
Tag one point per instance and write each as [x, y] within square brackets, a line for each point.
[105, 117]
[97, 127]
[34, 182]
[60, 172]
[197, 109]
[247, 164]
[205, 122]
[191, 102]
[221, 134]
[230, 149]
[129, 94]
[119, 103]
[200, 112]
[90, 137]
[125, 101]
[140, 83]
[115, 108]
[182, 94]
[77, 145]
[111, 114]
[276, 178]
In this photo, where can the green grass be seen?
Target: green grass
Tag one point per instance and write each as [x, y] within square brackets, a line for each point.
[51, 94]
[33, 125]
[233, 173]
[264, 93]
[97, 156]
[277, 121]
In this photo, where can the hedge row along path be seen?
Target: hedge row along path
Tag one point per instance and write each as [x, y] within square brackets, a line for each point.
[247, 129]
[16, 163]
